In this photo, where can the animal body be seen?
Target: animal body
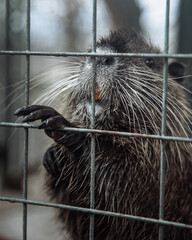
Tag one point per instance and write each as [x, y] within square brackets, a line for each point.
[127, 170]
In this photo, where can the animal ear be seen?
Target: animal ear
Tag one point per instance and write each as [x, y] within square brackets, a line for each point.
[176, 69]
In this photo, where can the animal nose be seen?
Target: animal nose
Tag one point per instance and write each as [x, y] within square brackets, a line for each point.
[105, 61]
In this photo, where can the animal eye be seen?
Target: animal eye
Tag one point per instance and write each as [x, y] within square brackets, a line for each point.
[149, 62]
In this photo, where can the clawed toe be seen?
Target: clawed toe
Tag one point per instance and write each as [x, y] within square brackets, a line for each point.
[52, 121]
[28, 109]
[36, 112]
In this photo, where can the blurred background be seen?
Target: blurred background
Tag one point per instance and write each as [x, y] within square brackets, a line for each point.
[61, 25]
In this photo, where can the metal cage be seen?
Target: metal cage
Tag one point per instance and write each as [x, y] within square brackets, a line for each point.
[25, 201]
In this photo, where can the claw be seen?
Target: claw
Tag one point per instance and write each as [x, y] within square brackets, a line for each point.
[36, 112]
[52, 121]
[43, 125]
[19, 111]
[27, 118]
[28, 109]
[40, 114]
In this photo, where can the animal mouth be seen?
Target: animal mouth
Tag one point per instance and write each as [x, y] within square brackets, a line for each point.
[97, 92]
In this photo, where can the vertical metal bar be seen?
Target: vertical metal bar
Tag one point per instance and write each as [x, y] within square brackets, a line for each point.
[163, 129]
[92, 180]
[26, 144]
[8, 80]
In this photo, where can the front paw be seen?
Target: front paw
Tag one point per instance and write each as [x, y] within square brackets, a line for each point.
[51, 119]
[49, 116]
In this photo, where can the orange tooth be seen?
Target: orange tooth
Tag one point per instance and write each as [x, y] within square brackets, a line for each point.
[97, 93]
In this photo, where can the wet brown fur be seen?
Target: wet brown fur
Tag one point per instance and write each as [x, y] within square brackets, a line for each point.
[127, 170]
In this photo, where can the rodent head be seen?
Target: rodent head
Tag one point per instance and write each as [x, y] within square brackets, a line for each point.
[114, 72]
[128, 90]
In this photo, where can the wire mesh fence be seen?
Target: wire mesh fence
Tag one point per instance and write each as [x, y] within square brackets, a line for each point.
[92, 211]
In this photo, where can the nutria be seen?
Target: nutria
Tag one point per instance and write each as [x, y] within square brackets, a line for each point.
[127, 170]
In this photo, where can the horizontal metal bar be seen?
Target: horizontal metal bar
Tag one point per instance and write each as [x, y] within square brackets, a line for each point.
[85, 130]
[97, 212]
[97, 131]
[81, 54]
[17, 125]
